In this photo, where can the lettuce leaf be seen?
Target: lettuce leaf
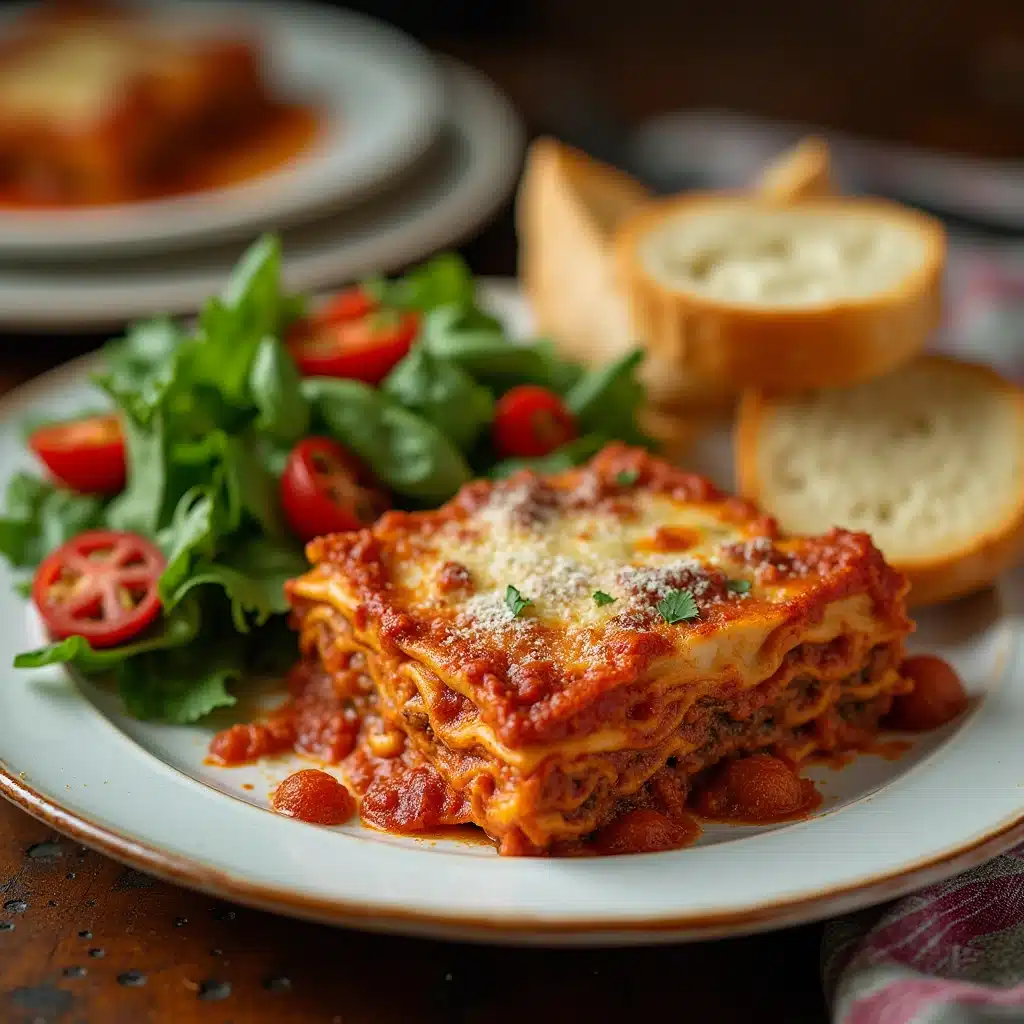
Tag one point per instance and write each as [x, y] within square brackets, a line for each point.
[175, 629]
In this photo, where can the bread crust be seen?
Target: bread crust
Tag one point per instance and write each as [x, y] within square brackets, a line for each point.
[942, 577]
[566, 212]
[802, 172]
[784, 348]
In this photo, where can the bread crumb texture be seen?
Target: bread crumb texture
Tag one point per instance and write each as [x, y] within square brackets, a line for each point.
[926, 459]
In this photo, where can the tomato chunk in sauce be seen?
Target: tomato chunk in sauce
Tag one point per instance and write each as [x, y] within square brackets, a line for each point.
[758, 789]
[314, 796]
[645, 831]
[937, 698]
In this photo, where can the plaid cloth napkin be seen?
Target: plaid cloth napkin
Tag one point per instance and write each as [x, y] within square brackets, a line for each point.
[952, 953]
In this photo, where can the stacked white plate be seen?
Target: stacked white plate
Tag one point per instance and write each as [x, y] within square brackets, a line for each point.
[415, 154]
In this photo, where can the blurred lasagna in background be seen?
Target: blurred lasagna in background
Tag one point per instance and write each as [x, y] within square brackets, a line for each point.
[100, 104]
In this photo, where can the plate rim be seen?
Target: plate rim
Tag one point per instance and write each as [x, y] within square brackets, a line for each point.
[190, 219]
[508, 926]
[520, 929]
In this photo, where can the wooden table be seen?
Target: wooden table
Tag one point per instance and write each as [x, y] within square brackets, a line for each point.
[84, 940]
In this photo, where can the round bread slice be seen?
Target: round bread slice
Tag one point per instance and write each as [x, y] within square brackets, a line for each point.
[928, 459]
[747, 292]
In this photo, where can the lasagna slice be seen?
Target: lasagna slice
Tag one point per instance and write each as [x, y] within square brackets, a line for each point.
[97, 105]
[554, 652]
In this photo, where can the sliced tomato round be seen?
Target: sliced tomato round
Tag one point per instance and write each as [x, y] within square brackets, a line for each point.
[86, 455]
[101, 585]
[530, 421]
[366, 348]
[325, 489]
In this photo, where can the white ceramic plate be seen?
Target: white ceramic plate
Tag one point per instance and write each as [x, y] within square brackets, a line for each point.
[142, 793]
[382, 101]
[449, 194]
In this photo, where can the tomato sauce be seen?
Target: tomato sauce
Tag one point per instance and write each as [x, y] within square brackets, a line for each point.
[645, 831]
[756, 790]
[331, 717]
[938, 695]
[314, 796]
[287, 133]
[320, 720]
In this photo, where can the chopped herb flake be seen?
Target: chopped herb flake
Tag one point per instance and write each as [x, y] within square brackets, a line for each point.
[601, 598]
[515, 601]
[738, 586]
[678, 606]
[627, 477]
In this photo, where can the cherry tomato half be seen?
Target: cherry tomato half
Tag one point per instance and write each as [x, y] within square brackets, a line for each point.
[530, 421]
[85, 455]
[351, 337]
[324, 489]
[101, 585]
[351, 304]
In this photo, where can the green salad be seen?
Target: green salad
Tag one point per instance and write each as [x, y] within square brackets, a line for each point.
[174, 511]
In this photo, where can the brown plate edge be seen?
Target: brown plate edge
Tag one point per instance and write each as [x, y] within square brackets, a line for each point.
[180, 870]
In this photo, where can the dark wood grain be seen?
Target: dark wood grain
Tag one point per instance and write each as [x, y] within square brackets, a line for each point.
[84, 940]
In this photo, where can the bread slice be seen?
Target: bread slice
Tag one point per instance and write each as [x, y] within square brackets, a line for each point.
[929, 460]
[744, 292]
[802, 172]
[567, 211]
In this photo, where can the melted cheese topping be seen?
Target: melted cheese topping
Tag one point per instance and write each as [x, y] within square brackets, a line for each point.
[788, 257]
[558, 557]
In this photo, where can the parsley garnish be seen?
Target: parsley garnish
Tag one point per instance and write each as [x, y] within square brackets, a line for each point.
[678, 606]
[515, 601]
[738, 586]
[627, 477]
[601, 598]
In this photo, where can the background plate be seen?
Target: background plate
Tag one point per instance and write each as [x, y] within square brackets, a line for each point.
[382, 99]
[143, 794]
[448, 194]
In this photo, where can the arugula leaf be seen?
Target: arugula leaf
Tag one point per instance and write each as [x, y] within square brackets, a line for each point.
[250, 308]
[572, 453]
[177, 628]
[142, 367]
[192, 533]
[478, 345]
[403, 450]
[40, 517]
[445, 280]
[515, 601]
[274, 383]
[178, 687]
[253, 489]
[601, 598]
[145, 345]
[139, 508]
[607, 399]
[443, 393]
[252, 576]
[738, 586]
[678, 606]
[235, 464]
